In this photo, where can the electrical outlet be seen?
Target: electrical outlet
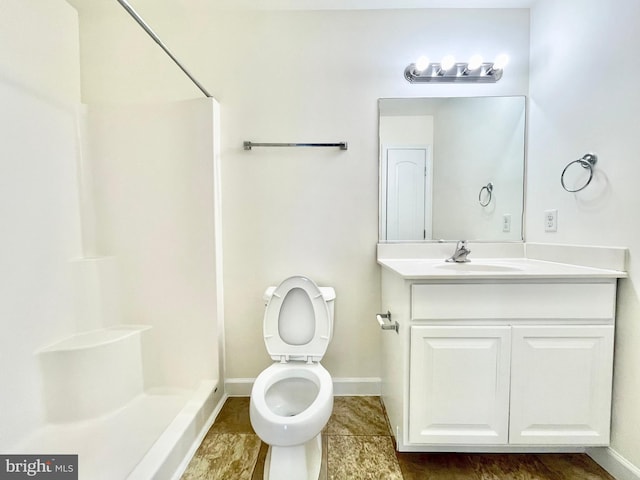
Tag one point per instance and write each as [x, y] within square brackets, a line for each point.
[551, 220]
[506, 222]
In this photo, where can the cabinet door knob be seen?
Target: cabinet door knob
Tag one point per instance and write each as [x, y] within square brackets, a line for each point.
[384, 320]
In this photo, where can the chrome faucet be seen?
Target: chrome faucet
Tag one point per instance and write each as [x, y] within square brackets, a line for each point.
[460, 255]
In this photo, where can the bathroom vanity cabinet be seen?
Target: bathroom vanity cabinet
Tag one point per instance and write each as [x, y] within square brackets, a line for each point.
[498, 362]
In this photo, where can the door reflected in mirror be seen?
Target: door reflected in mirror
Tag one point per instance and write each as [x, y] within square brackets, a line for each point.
[451, 168]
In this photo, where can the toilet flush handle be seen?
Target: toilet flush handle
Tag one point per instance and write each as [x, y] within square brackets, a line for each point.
[384, 320]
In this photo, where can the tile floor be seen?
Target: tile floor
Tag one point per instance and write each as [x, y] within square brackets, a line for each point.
[357, 445]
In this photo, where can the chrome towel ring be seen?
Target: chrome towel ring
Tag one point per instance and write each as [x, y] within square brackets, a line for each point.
[489, 188]
[588, 161]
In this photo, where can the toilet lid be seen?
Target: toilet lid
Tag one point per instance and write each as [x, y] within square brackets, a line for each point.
[296, 321]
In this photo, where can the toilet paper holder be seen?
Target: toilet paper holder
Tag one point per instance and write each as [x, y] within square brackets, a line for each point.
[384, 319]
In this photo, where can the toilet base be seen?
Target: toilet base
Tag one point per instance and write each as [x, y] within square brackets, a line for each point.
[299, 462]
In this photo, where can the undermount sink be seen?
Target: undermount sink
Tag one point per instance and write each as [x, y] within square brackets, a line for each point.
[477, 267]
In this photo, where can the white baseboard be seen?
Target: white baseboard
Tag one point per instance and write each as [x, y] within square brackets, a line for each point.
[342, 386]
[614, 463]
[238, 387]
[356, 386]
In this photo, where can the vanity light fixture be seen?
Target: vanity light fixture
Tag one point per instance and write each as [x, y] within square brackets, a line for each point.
[476, 70]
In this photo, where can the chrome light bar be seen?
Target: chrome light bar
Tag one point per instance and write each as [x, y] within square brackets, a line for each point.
[458, 73]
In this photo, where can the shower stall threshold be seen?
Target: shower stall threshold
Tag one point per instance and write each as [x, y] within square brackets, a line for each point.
[148, 438]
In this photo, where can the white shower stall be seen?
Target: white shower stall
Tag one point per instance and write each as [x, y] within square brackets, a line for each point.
[110, 262]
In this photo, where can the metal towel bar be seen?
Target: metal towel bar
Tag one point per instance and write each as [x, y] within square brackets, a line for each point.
[249, 145]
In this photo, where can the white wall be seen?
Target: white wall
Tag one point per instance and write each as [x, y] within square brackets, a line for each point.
[406, 129]
[584, 97]
[39, 205]
[296, 76]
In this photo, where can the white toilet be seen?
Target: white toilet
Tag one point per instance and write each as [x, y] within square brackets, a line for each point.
[292, 400]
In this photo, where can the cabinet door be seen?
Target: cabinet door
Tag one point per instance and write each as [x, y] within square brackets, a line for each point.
[561, 385]
[459, 385]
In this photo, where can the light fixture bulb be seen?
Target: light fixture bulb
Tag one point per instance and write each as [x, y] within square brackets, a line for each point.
[500, 61]
[475, 62]
[447, 62]
[422, 63]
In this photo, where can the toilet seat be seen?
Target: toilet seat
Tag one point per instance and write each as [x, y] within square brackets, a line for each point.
[299, 343]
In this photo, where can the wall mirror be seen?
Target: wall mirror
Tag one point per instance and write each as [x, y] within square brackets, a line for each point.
[451, 168]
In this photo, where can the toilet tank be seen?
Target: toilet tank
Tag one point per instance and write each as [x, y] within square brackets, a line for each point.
[329, 295]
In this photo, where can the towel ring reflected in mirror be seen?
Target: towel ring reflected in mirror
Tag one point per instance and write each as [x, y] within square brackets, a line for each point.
[489, 189]
[588, 162]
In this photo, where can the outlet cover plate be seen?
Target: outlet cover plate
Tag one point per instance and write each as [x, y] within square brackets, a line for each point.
[551, 220]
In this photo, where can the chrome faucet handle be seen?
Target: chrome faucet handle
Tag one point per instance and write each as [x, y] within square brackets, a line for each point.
[460, 255]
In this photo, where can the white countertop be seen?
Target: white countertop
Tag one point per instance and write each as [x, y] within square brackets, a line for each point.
[493, 268]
